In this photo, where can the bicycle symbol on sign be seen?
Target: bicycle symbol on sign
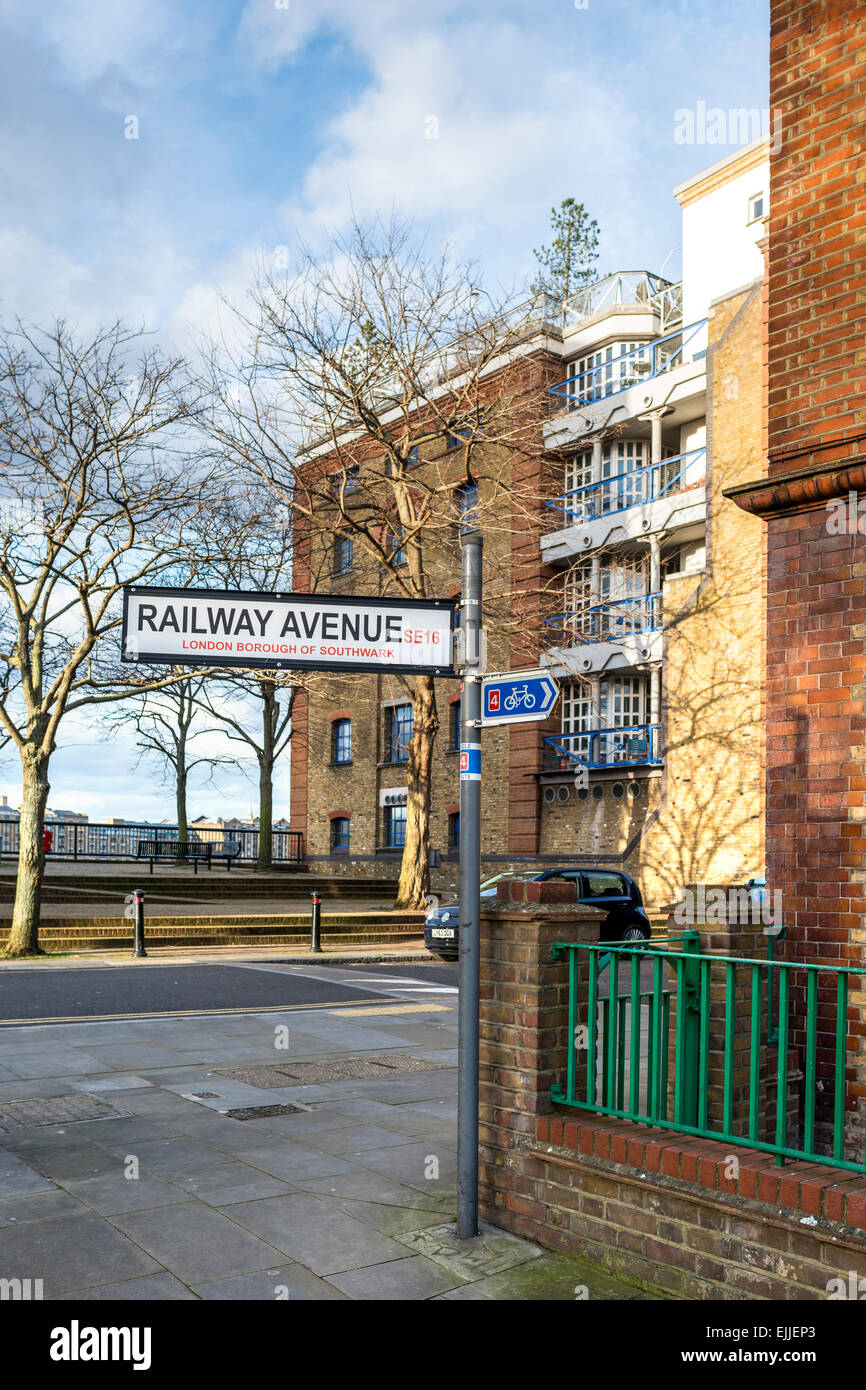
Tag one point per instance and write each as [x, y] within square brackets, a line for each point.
[521, 697]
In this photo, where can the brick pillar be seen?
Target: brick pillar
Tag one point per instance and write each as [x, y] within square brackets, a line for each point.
[812, 500]
[523, 1028]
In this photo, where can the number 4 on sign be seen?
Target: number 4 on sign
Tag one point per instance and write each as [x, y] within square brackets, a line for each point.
[517, 696]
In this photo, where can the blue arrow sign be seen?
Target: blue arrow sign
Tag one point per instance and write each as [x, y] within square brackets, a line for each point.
[517, 697]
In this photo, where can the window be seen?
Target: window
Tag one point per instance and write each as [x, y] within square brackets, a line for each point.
[344, 554]
[600, 885]
[398, 550]
[578, 473]
[576, 719]
[347, 479]
[399, 720]
[621, 483]
[685, 559]
[756, 207]
[623, 586]
[454, 726]
[342, 741]
[466, 503]
[622, 704]
[578, 619]
[607, 370]
[339, 834]
[454, 831]
[395, 827]
[622, 701]
[412, 459]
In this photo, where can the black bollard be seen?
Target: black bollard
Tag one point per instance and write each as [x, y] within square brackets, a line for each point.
[316, 924]
[138, 923]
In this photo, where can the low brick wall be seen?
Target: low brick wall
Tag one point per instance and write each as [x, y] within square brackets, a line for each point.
[693, 1217]
[697, 1218]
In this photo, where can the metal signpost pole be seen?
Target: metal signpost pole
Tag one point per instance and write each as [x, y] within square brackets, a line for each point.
[470, 879]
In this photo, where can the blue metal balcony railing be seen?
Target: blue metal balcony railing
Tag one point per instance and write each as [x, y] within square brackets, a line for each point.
[639, 364]
[632, 489]
[606, 622]
[635, 745]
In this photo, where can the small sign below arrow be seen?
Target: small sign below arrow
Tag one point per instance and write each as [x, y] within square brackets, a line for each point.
[517, 696]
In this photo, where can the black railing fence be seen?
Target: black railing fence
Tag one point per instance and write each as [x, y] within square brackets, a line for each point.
[86, 840]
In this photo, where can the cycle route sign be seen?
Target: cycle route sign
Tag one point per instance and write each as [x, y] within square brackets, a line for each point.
[517, 697]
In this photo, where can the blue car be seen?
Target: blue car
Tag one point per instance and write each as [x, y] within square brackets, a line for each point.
[611, 889]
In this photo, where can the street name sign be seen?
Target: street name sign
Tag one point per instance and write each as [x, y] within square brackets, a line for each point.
[517, 696]
[314, 632]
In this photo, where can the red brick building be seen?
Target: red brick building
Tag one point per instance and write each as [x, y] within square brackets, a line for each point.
[813, 497]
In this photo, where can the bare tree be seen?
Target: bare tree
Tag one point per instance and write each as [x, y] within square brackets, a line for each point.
[91, 432]
[231, 700]
[169, 733]
[247, 545]
[381, 397]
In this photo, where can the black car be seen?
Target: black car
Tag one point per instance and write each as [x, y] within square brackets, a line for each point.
[626, 919]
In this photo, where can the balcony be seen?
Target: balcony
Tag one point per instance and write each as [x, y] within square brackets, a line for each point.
[612, 636]
[629, 506]
[626, 287]
[633, 746]
[611, 621]
[633, 368]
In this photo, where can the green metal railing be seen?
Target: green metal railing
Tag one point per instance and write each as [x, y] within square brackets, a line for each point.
[626, 1045]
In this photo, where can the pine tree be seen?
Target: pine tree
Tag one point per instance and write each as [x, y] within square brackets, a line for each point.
[569, 261]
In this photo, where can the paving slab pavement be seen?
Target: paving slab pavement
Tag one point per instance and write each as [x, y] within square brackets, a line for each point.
[166, 1197]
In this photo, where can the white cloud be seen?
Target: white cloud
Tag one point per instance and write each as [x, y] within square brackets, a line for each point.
[89, 37]
[469, 125]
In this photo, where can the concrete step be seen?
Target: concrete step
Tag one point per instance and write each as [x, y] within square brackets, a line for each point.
[116, 939]
[185, 886]
[357, 922]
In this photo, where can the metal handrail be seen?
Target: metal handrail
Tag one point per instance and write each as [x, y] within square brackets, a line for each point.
[95, 840]
[623, 737]
[640, 485]
[658, 363]
[630, 1080]
[652, 603]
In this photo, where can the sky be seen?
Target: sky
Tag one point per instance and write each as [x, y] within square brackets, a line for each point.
[152, 154]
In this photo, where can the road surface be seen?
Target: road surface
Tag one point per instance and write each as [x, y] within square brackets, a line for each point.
[141, 989]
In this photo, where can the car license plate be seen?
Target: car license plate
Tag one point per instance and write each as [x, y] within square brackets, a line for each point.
[442, 931]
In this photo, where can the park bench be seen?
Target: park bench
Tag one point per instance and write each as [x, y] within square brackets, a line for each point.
[228, 850]
[178, 850]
